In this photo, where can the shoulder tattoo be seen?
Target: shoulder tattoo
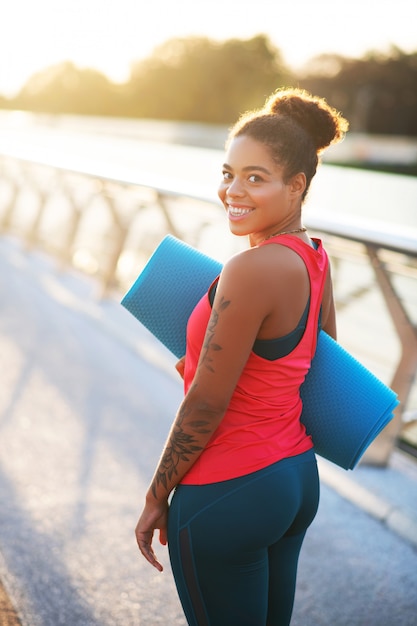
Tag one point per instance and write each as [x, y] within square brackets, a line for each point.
[209, 343]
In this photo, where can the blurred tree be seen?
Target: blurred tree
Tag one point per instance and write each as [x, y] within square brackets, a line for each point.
[197, 79]
[378, 93]
[4, 103]
[65, 88]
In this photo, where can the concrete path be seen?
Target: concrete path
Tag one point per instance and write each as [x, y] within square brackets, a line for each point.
[86, 400]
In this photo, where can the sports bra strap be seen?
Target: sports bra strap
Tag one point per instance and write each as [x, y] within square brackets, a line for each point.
[272, 349]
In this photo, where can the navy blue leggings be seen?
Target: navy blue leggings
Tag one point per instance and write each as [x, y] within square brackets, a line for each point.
[234, 545]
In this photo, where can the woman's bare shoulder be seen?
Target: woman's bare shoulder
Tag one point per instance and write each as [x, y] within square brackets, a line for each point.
[258, 276]
[263, 263]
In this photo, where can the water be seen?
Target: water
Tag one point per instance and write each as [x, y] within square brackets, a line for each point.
[160, 154]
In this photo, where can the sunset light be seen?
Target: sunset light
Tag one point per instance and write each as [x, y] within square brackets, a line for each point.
[109, 36]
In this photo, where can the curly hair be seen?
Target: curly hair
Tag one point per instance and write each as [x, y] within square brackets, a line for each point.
[296, 126]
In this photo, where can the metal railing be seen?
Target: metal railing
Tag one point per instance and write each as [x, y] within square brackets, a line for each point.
[109, 225]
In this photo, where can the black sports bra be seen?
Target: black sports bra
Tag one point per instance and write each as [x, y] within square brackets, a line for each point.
[272, 349]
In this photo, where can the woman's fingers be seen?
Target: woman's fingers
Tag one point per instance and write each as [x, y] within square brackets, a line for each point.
[163, 539]
[180, 365]
[153, 517]
[144, 541]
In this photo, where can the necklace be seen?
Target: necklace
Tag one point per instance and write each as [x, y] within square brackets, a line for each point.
[287, 232]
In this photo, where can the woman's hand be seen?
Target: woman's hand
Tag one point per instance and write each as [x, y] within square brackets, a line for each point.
[154, 516]
[180, 366]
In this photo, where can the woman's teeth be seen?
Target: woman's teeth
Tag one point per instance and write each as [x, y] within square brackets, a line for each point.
[237, 212]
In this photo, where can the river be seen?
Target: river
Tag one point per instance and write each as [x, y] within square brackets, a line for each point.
[189, 156]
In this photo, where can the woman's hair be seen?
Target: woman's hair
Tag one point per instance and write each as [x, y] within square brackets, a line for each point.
[296, 127]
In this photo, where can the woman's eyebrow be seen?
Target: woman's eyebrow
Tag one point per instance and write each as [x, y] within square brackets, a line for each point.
[249, 168]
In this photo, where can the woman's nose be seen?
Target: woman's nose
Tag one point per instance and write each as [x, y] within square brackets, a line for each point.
[235, 188]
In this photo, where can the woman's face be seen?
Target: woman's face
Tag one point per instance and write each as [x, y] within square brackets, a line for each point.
[253, 192]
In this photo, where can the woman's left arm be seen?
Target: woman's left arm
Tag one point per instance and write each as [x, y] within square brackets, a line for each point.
[193, 426]
[239, 308]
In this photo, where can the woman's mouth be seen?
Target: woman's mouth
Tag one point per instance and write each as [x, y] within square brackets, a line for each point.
[236, 212]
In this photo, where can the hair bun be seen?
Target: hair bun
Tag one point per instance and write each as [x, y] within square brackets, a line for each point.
[323, 123]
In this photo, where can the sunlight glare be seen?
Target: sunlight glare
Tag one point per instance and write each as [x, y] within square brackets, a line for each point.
[109, 36]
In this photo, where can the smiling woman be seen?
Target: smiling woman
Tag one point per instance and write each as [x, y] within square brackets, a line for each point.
[238, 459]
[290, 123]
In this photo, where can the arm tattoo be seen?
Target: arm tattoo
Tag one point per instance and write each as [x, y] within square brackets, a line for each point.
[209, 344]
[183, 444]
[180, 447]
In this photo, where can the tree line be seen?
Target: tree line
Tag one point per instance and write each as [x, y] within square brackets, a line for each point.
[197, 79]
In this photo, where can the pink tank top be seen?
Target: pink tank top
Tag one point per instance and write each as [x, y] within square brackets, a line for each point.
[262, 423]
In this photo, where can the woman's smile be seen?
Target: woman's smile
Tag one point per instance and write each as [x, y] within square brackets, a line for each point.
[257, 199]
[237, 212]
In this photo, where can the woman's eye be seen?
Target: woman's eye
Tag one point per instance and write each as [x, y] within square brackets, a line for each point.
[254, 178]
[227, 176]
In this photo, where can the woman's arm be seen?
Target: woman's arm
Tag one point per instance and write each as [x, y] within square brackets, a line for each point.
[190, 432]
[328, 309]
[241, 304]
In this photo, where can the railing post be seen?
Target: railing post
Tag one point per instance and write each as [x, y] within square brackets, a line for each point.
[7, 217]
[67, 249]
[165, 212]
[32, 234]
[379, 452]
[118, 236]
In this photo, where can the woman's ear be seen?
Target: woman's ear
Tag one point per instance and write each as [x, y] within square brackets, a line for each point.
[298, 184]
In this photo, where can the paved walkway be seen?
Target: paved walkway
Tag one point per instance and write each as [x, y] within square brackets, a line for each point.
[86, 400]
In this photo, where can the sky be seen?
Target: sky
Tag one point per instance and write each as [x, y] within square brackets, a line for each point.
[109, 35]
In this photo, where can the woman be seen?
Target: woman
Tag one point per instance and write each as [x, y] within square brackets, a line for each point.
[239, 459]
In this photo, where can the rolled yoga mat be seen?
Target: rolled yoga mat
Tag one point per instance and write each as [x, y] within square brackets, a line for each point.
[345, 406]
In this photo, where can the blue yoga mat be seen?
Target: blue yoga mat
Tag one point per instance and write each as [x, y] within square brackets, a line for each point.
[345, 406]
